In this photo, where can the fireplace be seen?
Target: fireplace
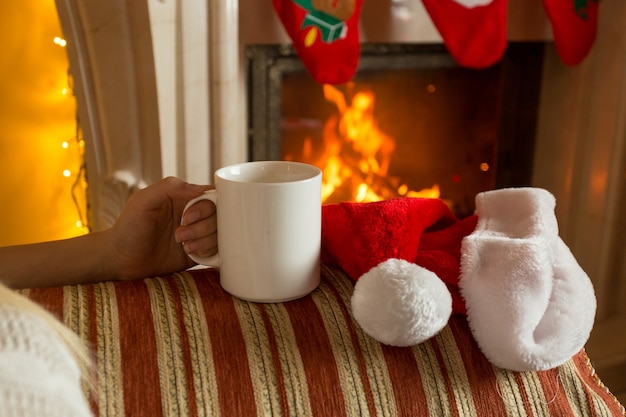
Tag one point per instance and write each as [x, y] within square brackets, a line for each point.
[184, 114]
[410, 123]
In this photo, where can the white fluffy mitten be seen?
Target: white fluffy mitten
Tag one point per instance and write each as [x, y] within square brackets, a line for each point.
[530, 305]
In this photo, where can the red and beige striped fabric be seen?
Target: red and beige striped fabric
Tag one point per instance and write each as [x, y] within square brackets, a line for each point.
[180, 346]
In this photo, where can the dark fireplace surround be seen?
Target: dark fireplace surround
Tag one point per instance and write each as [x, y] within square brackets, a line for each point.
[511, 90]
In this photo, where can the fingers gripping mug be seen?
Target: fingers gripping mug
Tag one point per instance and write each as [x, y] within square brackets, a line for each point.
[268, 229]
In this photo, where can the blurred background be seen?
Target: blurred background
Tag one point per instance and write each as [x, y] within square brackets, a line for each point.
[42, 192]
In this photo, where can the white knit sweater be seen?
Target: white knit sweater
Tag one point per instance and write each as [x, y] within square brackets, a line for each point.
[38, 374]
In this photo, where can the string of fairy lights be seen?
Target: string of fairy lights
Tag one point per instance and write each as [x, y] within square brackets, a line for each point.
[79, 188]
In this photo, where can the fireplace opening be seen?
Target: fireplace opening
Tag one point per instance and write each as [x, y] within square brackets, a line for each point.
[410, 123]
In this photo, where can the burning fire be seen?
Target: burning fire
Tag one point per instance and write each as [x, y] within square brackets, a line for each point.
[357, 154]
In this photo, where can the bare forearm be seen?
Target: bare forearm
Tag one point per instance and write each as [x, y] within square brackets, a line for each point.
[143, 242]
[72, 261]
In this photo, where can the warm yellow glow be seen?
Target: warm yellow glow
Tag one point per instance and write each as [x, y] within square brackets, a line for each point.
[484, 167]
[432, 192]
[37, 120]
[59, 41]
[361, 192]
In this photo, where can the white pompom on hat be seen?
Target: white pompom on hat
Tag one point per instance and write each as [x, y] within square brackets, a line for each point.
[400, 303]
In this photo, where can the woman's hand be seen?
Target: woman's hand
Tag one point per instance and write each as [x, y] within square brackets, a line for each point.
[148, 238]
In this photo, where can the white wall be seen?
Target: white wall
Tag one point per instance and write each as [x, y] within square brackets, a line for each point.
[581, 159]
[197, 63]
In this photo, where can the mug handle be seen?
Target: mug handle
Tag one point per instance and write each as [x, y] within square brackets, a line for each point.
[212, 261]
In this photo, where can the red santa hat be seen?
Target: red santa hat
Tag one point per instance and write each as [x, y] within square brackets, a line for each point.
[408, 249]
[530, 306]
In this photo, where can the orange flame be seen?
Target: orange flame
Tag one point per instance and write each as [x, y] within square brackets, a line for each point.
[360, 173]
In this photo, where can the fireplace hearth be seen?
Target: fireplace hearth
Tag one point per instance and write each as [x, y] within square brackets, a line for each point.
[410, 123]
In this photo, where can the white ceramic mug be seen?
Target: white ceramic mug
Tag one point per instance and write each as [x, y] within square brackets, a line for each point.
[268, 229]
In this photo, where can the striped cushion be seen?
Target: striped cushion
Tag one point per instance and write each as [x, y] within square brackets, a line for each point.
[180, 346]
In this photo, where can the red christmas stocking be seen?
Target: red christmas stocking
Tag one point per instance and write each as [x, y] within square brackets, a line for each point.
[574, 24]
[325, 36]
[474, 31]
